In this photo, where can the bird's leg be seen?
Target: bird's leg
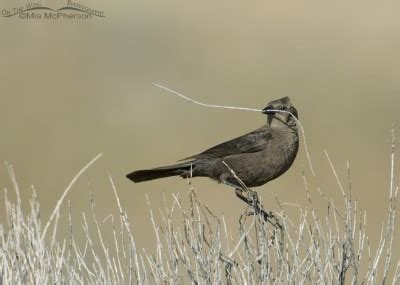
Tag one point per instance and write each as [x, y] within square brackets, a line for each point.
[239, 191]
[230, 184]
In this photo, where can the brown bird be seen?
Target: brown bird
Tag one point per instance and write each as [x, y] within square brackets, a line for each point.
[256, 158]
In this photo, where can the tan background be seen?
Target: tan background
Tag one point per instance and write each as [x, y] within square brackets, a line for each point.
[73, 89]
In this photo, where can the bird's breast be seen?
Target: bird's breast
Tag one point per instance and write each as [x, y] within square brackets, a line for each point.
[281, 153]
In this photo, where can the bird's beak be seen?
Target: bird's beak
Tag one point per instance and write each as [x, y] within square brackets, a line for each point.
[268, 111]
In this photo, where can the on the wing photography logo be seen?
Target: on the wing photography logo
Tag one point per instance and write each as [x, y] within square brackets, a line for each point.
[37, 11]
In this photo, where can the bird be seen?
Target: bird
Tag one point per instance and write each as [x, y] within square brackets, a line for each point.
[255, 158]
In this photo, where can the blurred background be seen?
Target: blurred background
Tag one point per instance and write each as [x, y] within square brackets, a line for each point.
[71, 89]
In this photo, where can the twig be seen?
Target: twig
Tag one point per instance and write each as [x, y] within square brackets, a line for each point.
[57, 207]
[204, 104]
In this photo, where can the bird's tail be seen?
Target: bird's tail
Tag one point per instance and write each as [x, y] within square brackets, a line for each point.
[160, 172]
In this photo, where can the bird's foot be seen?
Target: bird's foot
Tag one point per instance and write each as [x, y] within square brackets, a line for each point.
[250, 197]
[241, 196]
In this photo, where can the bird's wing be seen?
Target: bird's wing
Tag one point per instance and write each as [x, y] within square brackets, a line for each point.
[252, 142]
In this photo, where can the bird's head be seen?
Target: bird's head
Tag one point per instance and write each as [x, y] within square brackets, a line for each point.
[281, 110]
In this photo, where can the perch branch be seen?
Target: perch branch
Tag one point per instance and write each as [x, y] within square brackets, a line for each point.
[59, 202]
